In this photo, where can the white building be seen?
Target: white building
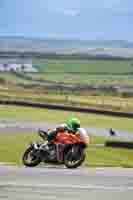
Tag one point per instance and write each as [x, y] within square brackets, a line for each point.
[21, 65]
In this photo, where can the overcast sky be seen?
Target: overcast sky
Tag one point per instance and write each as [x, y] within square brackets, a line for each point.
[84, 19]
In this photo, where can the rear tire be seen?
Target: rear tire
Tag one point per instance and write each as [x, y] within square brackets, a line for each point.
[34, 162]
[68, 157]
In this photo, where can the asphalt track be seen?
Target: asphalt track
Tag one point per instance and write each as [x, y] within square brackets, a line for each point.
[64, 184]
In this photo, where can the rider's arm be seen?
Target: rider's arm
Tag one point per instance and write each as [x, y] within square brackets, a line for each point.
[84, 135]
[52, 134]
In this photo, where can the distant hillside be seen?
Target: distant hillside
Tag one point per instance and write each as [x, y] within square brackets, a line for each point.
[20, 44]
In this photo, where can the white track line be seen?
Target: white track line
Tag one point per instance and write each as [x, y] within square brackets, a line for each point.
[64, 186]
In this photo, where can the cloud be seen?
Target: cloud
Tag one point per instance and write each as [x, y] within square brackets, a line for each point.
[66, 12]
[71, 12]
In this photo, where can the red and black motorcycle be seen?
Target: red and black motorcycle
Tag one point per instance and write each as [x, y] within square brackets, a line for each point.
[66, 148]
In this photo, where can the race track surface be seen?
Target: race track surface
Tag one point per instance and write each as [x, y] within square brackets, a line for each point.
[64, 184]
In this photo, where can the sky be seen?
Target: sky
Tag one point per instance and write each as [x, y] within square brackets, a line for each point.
[79, 19]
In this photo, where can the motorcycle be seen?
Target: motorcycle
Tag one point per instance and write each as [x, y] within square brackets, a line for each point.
[66, 148]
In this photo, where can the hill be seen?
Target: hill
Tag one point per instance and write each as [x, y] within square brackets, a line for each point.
[67, 46]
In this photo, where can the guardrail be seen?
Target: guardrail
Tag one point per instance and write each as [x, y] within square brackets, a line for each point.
[119, 144]
[66, 108]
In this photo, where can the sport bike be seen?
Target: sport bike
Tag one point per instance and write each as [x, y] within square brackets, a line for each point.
[67, 149]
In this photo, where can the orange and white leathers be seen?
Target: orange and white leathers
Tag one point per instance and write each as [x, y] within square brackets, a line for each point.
[84, 136]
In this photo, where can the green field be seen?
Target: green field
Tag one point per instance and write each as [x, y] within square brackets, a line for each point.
[95, 72]
[86, 66]
[12, 78]
[67, 78]
[68, 73]
[85, 71]
[83, 78]
[44, 96]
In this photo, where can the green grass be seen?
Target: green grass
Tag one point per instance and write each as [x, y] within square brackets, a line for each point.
[13, 78]
[85, 71]
[13, 146]
[83, 78]
[87, 66]
[54, 116]
[100, 102]
[8, 76]
[103, 156]
[93, 72]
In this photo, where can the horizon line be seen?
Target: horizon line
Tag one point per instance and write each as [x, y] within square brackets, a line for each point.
[61, 38]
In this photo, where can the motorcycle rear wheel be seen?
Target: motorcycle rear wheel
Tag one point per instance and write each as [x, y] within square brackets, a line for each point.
[34, 162]
[70, 163]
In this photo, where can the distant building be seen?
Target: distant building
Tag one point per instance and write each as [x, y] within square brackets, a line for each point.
[21, 65]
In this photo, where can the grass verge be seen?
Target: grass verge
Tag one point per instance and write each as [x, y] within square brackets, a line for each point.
[100, 102]
[13, 146]
[56, 116]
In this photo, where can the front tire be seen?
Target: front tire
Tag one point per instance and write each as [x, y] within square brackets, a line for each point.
[70, 163]
[34, 162]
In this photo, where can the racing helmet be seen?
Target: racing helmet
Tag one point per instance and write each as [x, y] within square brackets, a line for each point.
[74, 123]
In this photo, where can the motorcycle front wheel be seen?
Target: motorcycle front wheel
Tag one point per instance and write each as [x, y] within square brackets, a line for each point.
[29, 159]
[71, 162]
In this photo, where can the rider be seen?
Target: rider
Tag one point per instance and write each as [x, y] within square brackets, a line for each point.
[71, 126]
